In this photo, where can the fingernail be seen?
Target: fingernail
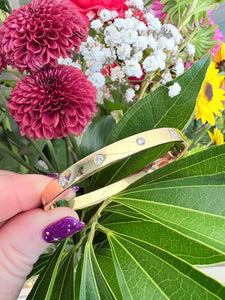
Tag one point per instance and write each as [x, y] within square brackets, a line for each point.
[61, 229]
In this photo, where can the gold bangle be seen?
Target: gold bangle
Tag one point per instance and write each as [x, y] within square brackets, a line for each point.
[105, 157]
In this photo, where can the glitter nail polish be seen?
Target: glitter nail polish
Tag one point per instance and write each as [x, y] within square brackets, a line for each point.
[61, 229]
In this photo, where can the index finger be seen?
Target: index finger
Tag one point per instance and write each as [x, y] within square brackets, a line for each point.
[20, 192]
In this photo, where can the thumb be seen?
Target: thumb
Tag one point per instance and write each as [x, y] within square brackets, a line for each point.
[24, 237]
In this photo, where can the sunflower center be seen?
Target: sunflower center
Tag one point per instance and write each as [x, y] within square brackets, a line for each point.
[208, 91]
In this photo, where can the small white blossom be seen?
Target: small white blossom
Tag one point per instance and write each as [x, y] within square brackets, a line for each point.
[130, 36]
[112, 35]
[132, 68]
[95, 66]
[105, 15]
[179, 67]
[150, 63]
[107, 52]
[97, 79]
[96, 24]
[124, 51]
[138, 55]
[135, 3]
[129, 23]
[141, 27]
[166, 77]
[165, 43]
[117, 74]
[128, 13]
[153, 22]
[153, 44]
[161, 58]
[141, 42]
[114, 14]
[129, 95]
[119, 23]
[68, 62]
[190, 49]
[169, 28]
[174, 90]
[97, 53]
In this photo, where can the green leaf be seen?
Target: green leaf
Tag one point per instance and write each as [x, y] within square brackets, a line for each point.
[111, 106]
[43, 287]
[105, 261]
[78, 276]
[155, 111]
[96, 135]
[146, 272]
[207, 162]
[93, 283]
[39, 265]
[163, 237]
[191, 206]
[5, 5]
[64, 282]
[12, 75]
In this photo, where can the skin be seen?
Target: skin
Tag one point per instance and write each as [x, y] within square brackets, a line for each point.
[22, 220]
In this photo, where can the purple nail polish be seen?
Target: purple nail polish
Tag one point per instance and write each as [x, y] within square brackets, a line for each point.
[61, 229]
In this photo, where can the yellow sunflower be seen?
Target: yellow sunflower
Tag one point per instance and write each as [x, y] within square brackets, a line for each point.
[216, 137]
[219, 59]
[209, 102]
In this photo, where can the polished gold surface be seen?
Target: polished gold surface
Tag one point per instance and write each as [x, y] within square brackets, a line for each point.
[105, 157]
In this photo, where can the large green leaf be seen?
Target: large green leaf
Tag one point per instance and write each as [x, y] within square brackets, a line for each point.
[96, 135]
[207, 162]
[43, 287]
[64, 282]
[146, 272]
[93, 283]
[192, 206]
[154, 111]
[163, 237]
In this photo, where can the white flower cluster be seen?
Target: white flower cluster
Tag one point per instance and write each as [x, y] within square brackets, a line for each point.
[137, 46]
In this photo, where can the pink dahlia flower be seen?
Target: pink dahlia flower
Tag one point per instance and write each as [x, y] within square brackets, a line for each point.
[40, 32]
[53, 102]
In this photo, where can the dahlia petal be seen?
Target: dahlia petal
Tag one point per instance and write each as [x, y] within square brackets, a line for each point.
[34, 47]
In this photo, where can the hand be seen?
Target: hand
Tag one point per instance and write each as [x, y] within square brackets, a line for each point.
[25, 229]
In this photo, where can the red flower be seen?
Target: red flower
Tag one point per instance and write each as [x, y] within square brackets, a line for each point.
[40, 32]
[53, 102]
[84, 6]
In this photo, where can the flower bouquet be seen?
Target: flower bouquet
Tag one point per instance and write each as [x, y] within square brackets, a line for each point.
[134, 84]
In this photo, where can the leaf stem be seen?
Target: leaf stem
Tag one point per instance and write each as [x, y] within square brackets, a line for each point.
[188, 14]
[68, 157]
[201, 135]
[42, 155]
[75, 146]
[17, 158]
[94, 220]
[53, 155]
